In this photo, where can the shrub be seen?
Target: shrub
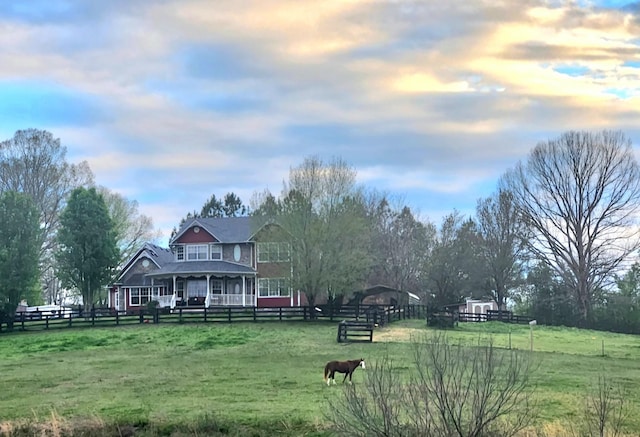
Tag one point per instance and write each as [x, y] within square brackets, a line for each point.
[451, 391]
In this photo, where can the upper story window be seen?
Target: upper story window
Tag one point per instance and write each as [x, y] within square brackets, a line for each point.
[179, 253]
[273, 252]
[216, 251]
[197, 252]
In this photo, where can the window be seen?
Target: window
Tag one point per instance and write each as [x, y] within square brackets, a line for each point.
[216, 251]
[180, 288]
[216, 286]
[139, 296]
[179, 253]
[197, 252]
[273, 252]
[273, 287]
[197, 288]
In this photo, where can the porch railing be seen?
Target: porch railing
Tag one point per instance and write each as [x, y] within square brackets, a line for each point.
[230, 300]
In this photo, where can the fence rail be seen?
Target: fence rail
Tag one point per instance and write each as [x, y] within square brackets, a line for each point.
[376, 315]
[450, 319]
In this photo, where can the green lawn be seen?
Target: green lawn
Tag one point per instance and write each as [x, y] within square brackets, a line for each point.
[264, 378]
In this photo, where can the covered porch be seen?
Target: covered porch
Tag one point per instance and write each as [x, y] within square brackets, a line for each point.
[206, 288]
[194, 292]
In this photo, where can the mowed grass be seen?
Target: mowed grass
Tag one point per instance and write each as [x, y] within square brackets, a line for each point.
[265, 379]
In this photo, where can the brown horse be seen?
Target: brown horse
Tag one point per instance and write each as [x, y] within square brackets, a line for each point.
[346, 367]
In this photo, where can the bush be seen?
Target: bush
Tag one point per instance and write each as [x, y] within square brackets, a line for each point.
[451, 391]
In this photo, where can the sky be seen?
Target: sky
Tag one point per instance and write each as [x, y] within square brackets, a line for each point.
[171, 101]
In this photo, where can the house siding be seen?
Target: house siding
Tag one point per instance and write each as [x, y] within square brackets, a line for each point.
[274, 270]
[266, 302]
[136, 269]
[245, 253]
[191, 237]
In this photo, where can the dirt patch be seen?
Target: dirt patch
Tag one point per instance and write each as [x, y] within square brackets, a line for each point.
[396, 334]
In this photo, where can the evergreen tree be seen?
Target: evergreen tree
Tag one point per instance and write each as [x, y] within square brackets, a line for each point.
[88, 250]
[20, 238]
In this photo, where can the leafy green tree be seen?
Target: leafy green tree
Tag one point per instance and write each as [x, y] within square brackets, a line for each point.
[34, 162]
[621, 312]
[88, 250]
[546, 297]
[20, 239]
[452, 272]
[322, 215]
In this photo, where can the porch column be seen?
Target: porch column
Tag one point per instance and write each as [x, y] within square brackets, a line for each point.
[174, 297]
[255, 287]
[244, 290]
[207, 299]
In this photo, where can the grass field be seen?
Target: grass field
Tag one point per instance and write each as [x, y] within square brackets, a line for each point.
[263, 379]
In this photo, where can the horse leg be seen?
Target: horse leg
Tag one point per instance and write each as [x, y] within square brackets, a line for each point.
[332, 377]
[345, 376]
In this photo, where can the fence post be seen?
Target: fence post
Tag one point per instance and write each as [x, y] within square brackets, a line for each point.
[229, 314]
[141, 315]
[205, 314]
[93, 316]
[280, 314]
[180, 315]
[117, 317]
[254, 314]
[22, 320]
[46, 322]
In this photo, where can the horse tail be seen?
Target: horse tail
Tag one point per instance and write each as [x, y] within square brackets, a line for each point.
[326, 372]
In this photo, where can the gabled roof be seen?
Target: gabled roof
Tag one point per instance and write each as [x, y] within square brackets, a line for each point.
[158, 255]
[224, 229]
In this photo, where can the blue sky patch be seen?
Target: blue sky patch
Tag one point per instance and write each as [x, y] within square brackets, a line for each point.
[572, 70]
[26, 104]
[217, 61]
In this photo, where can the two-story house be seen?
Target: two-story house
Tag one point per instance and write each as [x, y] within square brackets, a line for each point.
[209, 262]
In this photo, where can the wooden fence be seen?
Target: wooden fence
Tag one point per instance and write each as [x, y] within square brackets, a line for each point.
[376, 315]
[355, 331]
[450, 319]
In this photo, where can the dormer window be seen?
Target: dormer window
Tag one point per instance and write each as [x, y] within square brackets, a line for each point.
[179, 253]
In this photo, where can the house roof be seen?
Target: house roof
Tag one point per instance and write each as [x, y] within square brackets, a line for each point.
[159, 255]
[201, 268]
[359, 295]
[224, 229]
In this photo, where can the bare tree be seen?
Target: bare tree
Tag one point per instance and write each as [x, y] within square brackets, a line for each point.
[580, 194]
[402, 245]
[605, 409]
[502, 244]
[34, 163]
[450, 390]
[132, 228]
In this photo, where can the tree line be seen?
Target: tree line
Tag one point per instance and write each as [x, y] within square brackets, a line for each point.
[60, 232]
[556, 240]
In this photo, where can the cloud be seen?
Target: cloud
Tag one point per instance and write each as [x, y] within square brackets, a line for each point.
[172, 101]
